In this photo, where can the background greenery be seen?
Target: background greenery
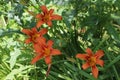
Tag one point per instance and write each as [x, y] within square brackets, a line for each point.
[86, 23]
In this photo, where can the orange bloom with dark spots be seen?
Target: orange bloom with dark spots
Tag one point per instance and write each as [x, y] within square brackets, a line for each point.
[34, 34]
[92, 60]
[46, 17]
[45, 50]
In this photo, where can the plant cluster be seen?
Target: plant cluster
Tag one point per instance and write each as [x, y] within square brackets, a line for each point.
[59, 40]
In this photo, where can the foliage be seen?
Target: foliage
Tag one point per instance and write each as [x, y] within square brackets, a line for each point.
[86, 23]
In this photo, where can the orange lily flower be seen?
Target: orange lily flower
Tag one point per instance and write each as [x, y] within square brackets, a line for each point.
[34, 34]
[47, 16]
[45, 50]
[92, 60]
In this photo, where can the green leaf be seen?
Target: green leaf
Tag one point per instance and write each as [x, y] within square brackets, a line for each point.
[78, 71]
[113, 61]
[47, 1]
[1, 32]
[14, 54]
[115, 16]
[113, 33]
[11, 75]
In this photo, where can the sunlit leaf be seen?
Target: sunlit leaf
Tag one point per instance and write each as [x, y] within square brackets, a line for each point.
[14, 54]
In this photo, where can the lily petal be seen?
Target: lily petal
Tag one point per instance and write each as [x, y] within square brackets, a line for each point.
[26, 31]
[100, 62]
[95, 71]
[51, 11]
[85, 66]
[81, 56]
[99, 53]
[44, 9]
[37, 48]
[27, 41]
[56, 17]
[89, 51]
[49, 23]
[36, 59]
[55, 52]
[50, 43]
[41, 41]
[47, 59]
[34, 30]
[39, 23]
[39, 16]
[43, 31]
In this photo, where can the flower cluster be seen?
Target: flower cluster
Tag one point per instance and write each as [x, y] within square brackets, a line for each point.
[42, 47]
